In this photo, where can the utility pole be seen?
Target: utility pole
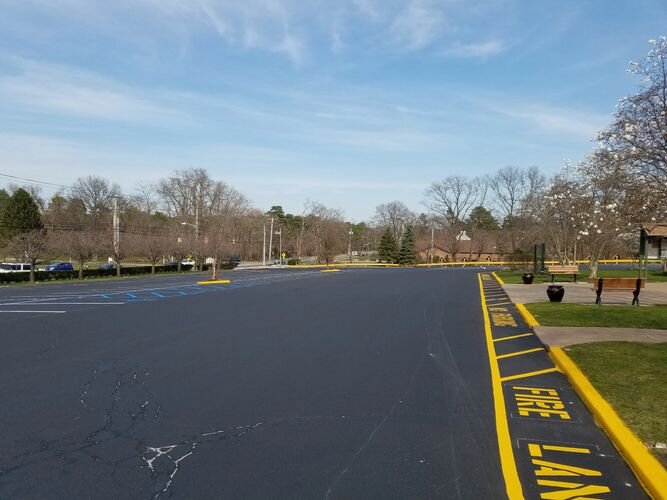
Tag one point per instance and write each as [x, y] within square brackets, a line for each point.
[116, 227]
[197, 222]
[264, 247]
[349, 245]
[271, 240]
[280, 246]
[432, 243]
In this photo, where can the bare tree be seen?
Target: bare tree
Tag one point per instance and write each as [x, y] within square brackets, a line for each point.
[146, 199]
[638, 136]
[31, 246]
[451, 200]
[153, 245]
[517, 193]
[192, 194]
[96, 194]
[395, 216]
[80, 244]
[328, 228]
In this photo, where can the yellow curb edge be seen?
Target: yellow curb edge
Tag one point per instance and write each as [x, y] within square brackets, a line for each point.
[498, 279]
[330, 271]
[651, 474]
[527, 317]
[214, 282]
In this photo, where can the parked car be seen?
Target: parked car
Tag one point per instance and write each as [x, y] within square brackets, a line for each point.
[60, 266]
[14, 267]
[108, 266]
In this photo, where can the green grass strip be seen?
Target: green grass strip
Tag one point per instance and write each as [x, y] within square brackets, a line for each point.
[621, 316]
[631, 377]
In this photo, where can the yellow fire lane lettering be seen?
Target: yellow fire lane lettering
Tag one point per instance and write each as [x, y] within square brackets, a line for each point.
[564, 490]
[486, 277]
[540, 402]
[503, 319]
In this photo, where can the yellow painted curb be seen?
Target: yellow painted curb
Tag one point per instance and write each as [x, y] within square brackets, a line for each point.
[646, 467]
[498, 279]
[527, 317]
[214, 282]
[330, 271]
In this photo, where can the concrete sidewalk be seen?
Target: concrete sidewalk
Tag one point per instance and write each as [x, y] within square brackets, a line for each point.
[562, 336]
[582, 293]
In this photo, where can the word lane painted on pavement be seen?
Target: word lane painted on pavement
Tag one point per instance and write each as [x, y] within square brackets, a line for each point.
[558, 451]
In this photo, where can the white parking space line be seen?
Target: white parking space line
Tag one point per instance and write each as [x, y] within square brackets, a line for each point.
[62, 303]
[36, 312]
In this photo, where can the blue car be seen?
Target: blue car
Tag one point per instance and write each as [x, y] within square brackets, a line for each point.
[60, 266]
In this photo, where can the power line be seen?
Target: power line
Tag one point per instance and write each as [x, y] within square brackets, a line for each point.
[32, 181]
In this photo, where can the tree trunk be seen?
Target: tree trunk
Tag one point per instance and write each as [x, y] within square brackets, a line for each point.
[593, 267]
[32, 273]
[152, 267]
[80, 270]
[117, 268]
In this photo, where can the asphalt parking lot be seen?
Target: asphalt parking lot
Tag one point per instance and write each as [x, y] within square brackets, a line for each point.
[367, 383]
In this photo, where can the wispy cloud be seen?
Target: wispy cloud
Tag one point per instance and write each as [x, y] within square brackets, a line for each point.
[579, 124]
[476, 50]
[253, 24]
[54, 89]
[418, 24]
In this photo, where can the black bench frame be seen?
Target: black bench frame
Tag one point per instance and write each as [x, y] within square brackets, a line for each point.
[635, 292]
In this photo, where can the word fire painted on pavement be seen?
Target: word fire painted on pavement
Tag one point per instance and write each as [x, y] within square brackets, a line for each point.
[549, 445]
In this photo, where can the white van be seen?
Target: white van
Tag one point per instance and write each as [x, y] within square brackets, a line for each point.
[14, 267]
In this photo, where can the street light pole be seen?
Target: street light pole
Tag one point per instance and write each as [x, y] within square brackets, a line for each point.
[271, 240]
[349, 245]
[264, 247]
[280, 245]
[432, 243]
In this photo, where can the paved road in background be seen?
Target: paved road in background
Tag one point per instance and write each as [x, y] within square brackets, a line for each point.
[284, 384]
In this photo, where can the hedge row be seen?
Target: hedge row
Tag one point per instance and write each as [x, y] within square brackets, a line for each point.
[87, 273]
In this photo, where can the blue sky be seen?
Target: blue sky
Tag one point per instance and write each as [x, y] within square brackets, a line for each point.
[351, 103]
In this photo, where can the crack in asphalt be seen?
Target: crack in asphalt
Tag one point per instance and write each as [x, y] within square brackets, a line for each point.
[171, 464]
[106, 392]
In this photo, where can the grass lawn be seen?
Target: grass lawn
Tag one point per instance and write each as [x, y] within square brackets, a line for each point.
[559, 314]
[514, 277]
[631, 377]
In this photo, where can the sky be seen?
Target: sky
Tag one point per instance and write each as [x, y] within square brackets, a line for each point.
[351, 103]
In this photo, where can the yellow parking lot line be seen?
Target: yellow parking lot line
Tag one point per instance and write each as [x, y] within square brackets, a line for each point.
[519, 353]
[528, 374]
[507, 463]
[513, 337]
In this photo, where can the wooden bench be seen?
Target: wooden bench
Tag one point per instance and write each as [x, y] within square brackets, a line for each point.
[618, 285]
[563, 269]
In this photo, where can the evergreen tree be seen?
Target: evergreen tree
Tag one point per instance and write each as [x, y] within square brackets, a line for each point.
[407, 254]
[21, 214]
[388, 250]
[481, 218]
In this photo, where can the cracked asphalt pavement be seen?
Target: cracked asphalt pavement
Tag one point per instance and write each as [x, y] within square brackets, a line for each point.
[290, 384]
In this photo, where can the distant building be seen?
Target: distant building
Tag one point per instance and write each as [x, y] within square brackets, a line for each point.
[654, 240]
[481, 249]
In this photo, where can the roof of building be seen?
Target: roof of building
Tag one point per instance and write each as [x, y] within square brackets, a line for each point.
[656, 229]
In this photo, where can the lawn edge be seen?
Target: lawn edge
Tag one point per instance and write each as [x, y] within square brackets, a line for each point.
[527, 316]
[650, 472]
